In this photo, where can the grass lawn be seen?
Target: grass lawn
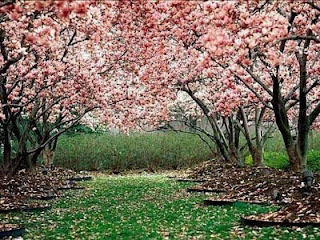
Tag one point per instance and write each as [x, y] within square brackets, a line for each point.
[145, 207]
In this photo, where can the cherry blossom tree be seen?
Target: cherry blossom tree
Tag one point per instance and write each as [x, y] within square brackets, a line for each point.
[35, 87]
[274, 47]
[180, 60]
[125, 61]
[63, 60]
[227, 118]
[268, 47]
[54, 70]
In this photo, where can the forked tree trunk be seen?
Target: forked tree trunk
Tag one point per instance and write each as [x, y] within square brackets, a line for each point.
[296, 147]
[11, 163]
[228, 146]
[256, 148]
[234, 140]
[32, 161]
[16, 164]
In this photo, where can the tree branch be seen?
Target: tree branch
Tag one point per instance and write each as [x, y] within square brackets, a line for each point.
[314, 114]
[297, 37]
[75, 121]
[257, 80]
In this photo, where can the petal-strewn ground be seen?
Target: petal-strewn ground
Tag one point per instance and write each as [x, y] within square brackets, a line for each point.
[145, 207]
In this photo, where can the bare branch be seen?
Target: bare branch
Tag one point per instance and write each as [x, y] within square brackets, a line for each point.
[74, 122]
[9, 63]
[314, 114]
[257, 80]
[310, 2]
[7, 2]
[297, 37]
[254, 92]
[171, 128]
[290, 94]
[2, 47]
[111, 67]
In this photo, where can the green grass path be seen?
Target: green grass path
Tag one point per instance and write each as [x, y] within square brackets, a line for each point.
[145, 207]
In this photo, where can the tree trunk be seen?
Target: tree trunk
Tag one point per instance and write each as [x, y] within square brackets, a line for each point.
[297, 156]
[6, 151]
[255, 148]
[257, 156]
[17, 163]
[48, 156]
[234, 154]
[296, 159]
[32, 161]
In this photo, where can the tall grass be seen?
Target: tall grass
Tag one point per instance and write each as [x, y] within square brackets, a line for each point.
[136, 151]
[101, 151]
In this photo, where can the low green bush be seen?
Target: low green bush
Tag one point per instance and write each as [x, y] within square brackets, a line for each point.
[314, 160]
[272, 159]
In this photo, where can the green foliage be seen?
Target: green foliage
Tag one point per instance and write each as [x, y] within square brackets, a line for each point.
[275, 143]
[137, 151]
[314, 160]
[272, 159]
[145, 207]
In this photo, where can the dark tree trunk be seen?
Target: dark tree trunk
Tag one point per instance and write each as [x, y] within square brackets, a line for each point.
[256, 148]
[296, 146]
[297, 158]
[257, 156]
[32, 161]
[48, 156]
[6, 150]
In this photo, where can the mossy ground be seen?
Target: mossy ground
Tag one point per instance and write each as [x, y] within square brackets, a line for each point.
[145, 207]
